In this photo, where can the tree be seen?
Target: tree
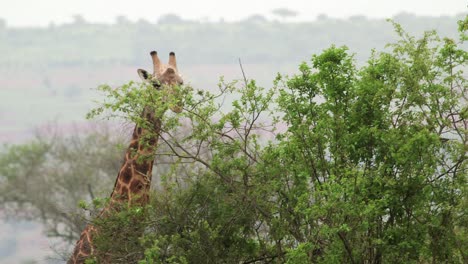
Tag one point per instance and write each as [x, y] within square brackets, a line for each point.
[256, 19]
[122, 21]
[45, 179]
[78, 20]
[284, 13]
[370, 167]
[170, 19]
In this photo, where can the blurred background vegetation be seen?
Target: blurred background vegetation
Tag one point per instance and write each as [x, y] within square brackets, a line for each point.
[254, 39]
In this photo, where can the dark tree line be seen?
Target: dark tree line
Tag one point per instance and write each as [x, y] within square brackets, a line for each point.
[255, 39]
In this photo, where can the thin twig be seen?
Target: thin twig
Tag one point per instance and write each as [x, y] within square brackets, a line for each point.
[243, 73]
[90, 190]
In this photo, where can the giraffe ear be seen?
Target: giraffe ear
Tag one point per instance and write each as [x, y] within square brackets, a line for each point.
[144, 75]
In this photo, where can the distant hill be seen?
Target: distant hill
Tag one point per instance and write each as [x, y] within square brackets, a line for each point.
[47, 74]
[255, 40]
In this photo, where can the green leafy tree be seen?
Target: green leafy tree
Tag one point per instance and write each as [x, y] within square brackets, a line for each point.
[369, 164]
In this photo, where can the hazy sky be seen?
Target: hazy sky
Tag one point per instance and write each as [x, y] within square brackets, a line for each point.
[42, 12]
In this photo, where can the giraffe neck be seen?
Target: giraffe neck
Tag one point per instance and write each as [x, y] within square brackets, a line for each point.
[132, 184]
[134, 178]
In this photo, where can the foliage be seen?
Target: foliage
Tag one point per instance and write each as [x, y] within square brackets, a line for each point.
[337, 164]
[45, 179]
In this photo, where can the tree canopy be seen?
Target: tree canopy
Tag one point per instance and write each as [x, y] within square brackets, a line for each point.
[336, 164]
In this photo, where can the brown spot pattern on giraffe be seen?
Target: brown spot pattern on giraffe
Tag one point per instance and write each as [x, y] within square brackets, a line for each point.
[126, 174]
[124, 192]
[86, 247]
[143, 166]
[153, 141]
[136, 187]
[134, 145]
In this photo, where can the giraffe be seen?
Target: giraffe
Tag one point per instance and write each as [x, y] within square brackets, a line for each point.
[134, 178]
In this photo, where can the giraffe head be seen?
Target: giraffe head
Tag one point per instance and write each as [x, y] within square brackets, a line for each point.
[165, 76]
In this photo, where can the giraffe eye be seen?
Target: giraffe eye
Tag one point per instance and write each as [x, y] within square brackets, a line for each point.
[156, 84]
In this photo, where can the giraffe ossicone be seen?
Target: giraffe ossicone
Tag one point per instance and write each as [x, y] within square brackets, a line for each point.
[133, 181]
